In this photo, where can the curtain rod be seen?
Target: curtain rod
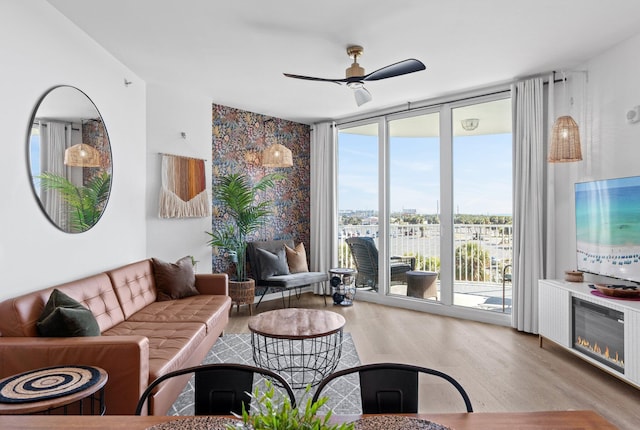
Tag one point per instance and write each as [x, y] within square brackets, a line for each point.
[409, 108]
[461, 99]
[45, 125]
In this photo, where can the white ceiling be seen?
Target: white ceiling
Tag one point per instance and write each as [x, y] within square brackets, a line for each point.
[235, 51]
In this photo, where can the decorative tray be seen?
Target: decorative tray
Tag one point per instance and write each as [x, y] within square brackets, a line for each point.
[196, 423]
[618, 290]
[396, 422]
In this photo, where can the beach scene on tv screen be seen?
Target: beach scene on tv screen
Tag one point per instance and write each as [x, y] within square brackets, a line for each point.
[608, 227]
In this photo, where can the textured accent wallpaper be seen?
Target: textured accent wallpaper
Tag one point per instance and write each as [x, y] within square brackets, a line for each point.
[238, 138]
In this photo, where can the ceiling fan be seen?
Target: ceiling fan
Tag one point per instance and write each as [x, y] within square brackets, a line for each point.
[355, 77]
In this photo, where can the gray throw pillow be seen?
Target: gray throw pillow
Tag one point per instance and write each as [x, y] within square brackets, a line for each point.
[63, 316]
[174, 280]
[272, 264]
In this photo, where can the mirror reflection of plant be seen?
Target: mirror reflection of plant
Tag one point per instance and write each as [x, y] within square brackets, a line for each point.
[86, 203]
[269, 412]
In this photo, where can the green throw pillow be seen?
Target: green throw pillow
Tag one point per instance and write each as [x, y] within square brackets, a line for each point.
[65, 317]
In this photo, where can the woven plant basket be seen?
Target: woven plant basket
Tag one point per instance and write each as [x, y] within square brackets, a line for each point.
[242, 293]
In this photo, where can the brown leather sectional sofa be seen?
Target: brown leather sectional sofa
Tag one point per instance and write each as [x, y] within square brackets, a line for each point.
[141, 338]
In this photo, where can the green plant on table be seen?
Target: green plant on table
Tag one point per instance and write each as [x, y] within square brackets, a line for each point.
[269, 413]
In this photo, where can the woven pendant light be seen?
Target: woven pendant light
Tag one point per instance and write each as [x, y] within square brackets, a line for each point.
[277, 155]
[565, 141]
[82, 155]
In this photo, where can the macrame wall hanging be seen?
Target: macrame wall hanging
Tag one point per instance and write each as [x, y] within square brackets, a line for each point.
[184, 191]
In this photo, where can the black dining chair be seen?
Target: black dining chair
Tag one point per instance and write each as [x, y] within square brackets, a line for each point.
[221, 388]
[387, 388]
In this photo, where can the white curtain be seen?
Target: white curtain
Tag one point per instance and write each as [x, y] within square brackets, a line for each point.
[550, 255]
[55, 138]
[324, 223]
[529, 201]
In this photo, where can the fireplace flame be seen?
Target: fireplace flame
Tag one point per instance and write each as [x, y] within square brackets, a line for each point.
[596, 349]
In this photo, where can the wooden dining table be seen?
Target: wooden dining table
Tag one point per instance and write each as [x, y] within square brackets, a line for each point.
[559, 420]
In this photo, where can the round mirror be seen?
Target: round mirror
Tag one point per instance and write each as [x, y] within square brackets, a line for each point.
[70, 159]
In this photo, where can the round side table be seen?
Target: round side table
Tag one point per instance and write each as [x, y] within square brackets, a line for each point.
[54, 390]
[343, 289]
[421, 284]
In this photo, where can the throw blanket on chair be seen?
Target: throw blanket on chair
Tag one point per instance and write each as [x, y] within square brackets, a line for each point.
[184, 190]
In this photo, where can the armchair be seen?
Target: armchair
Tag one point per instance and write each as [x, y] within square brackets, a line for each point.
[365, 254]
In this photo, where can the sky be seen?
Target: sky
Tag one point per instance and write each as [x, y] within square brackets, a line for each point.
[482, 169]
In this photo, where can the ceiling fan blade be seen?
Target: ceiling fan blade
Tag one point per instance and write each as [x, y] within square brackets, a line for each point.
[311, 78]
[397, 69]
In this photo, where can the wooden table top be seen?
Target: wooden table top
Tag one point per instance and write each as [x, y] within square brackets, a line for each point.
[296, 323]
[559, 420]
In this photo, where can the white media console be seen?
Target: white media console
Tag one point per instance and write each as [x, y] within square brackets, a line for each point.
[555, 322]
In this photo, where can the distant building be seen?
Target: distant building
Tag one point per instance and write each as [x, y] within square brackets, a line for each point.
[372, 220]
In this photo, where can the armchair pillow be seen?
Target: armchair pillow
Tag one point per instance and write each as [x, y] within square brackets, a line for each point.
[63, 316]
[297, 259]
[272, 264]
[174, 280]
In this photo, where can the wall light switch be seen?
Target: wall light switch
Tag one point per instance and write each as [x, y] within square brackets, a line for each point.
[633, 115]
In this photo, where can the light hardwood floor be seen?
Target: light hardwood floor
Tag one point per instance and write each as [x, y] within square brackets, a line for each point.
[501, 368]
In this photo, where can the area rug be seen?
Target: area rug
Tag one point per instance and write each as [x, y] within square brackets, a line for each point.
[343, 394]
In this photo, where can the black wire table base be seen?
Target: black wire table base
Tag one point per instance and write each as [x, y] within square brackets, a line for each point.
[302, 362]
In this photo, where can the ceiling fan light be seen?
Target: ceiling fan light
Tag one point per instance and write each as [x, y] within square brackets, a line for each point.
[360, 92]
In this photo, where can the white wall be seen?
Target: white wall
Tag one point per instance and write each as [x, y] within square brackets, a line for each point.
[170, 112]
[41, 49]
[610, 148]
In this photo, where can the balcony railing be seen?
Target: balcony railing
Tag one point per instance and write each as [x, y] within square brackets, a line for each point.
[482, 256]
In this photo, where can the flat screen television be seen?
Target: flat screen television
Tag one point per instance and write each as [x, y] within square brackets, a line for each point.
[608, 227]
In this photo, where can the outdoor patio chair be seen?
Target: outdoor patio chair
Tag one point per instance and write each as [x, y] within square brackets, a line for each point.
[221, 388]
[365, 254]
[390, 388]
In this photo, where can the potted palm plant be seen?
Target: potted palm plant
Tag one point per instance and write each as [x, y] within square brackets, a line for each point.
[238, 196]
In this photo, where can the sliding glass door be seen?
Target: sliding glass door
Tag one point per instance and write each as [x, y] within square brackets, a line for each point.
[482, 196]
[358, 203]
[430, 191]
[414, 204]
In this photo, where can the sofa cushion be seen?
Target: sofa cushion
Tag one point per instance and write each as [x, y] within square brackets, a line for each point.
[294, 280]
[134, 285]
[65, 317]
[171, 345]
[20, 314]
[174, 280]
[210, 310]
[272, 263]
[297, 258]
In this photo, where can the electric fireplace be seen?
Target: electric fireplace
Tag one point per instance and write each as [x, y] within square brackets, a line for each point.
[598, 332]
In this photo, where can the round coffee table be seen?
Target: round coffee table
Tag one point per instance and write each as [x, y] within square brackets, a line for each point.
[303, 345]
[54, 388]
